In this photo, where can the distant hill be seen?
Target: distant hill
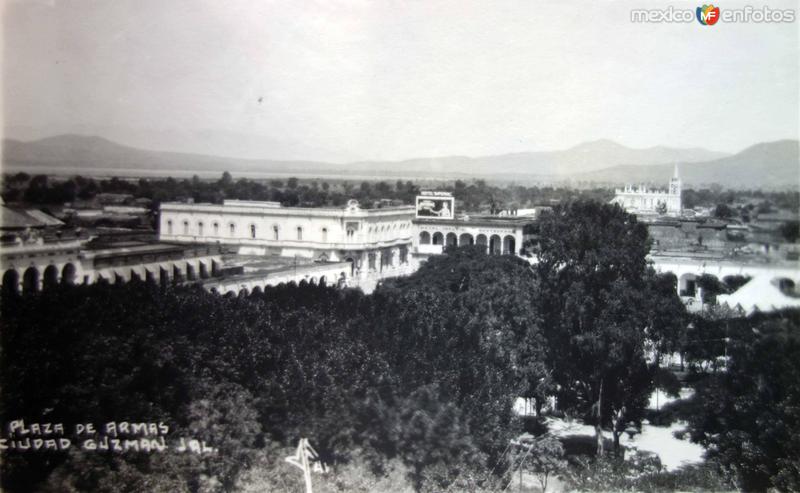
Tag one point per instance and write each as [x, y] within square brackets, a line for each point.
[768, 165]
[772, 165]
[586, 157]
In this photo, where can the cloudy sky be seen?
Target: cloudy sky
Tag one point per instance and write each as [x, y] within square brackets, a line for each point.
[392, 79]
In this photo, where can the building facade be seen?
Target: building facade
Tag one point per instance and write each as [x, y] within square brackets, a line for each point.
[372, 240]
[642, 200]
[436, 226]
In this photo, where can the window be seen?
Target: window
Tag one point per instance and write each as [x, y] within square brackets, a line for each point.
[324, 235]
[186, 227]
[299, 233]
[275, 233]
[216, 228]
[253, 231]
[169, 227]
[232, 228]
[200, 228]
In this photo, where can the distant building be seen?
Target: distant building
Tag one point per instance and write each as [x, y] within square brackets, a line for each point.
[644, 201]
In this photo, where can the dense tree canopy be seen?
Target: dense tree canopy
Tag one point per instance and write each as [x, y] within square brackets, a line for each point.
[748, 417]
[601, 307]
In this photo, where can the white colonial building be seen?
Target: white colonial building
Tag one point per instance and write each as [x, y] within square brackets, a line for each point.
[370, 239]
[437, 227]
[642, 200]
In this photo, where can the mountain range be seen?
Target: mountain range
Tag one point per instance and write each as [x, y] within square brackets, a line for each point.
[770, 165]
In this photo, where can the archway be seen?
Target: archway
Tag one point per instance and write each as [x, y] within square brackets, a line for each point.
[203, 270]
[177, 274]
[465, 239]
[68, 275]
[438, 238]
[352, 265]
[494, 245]
[509, 245]
[163, 276]
[687, 285]
[30, 280]
[149, 276]
[50, 277]
[11, 282]
[424, 238]
[482, 241]
[451, 239]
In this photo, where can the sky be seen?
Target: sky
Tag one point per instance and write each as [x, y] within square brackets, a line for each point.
[366, 80]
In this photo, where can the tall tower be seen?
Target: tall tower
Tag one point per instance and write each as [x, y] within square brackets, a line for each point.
[676, 205]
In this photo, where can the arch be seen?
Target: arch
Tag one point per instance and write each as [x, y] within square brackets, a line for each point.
[687, 284]
[215, 225]
[276, 232]
[135, 276]
[424, 238]
[50, 277]
[163, 276]
[169, 226]
[203, 270]
[191, 275]
[494, 245]
[451, 239]
[185, 227]
[483, 241]
[324, 235]
[68, 274]
[199, 228]
[438, 238]
[299, 233]
[11, 282]
[30, 280]
[232, 229]
[509, 245]
[352, 264]
[253, 231]
[465, 239]
[177, 274]
[149, 276]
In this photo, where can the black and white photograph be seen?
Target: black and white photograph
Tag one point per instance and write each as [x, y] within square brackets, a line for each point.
[401, 246]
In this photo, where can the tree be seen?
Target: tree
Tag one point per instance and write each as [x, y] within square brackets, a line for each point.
[599, 312]
[545, 459]
[791, 231]
[723, 211]
[748, 417]
[292, 183]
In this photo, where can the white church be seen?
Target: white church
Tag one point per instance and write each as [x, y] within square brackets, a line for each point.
[642, 200]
